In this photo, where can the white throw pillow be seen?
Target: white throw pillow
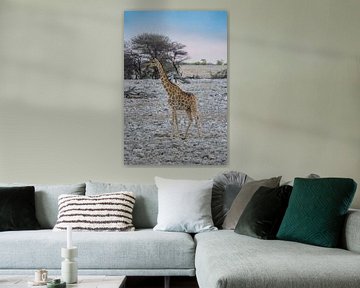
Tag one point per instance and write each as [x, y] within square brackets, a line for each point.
[104, 212]
[184, 205]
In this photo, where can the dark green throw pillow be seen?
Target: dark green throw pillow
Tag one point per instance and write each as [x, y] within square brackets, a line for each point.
[17, 208]
[263, 214]
[316, 211]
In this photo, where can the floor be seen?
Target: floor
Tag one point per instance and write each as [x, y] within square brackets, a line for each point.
[158, 282]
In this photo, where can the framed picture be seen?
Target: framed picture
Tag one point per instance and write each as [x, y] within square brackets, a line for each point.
[175, 88]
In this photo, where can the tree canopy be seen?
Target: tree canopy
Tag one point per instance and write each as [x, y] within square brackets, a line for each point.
[143, 47]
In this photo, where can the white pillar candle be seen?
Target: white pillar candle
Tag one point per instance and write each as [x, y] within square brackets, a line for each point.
[69, 237]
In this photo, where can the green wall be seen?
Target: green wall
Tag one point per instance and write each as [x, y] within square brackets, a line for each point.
[294, 89]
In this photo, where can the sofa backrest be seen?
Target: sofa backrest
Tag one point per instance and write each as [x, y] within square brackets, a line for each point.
[146, 203]
[351, 235]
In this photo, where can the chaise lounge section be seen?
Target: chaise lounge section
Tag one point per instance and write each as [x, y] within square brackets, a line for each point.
[225, 259]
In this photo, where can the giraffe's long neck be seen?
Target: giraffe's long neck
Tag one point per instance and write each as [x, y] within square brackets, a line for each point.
[163, 77]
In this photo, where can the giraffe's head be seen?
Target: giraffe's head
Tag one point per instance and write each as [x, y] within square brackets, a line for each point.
[154, 62]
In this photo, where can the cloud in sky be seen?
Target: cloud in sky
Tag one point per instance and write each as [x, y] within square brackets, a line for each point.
[203, 32]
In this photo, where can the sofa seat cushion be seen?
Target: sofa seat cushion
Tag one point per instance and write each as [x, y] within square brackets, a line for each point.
[226, 259]
[142, 249]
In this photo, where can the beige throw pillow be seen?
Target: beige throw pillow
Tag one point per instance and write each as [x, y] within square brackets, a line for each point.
[243, 198]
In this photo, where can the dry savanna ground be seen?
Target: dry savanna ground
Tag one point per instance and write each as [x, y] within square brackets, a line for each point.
[148, 137]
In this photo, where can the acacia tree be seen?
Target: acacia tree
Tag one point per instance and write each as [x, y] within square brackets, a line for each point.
[151, 45]
[177, 55]
[146, 46]
[134, 67]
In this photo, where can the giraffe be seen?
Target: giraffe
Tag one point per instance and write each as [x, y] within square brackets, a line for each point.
[178, 100]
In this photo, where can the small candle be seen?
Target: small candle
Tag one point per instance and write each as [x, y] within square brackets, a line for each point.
[69, 237]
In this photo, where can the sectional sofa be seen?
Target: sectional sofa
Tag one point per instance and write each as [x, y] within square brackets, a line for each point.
[219, 259]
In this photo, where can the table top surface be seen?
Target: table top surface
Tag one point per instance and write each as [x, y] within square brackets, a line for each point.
[84, 281]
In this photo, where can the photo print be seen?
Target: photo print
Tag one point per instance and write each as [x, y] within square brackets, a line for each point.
[175, 88]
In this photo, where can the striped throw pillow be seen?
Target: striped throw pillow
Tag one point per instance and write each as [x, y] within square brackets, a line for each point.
[105, 212]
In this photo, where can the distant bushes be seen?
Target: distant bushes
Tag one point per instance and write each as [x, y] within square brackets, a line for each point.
[219, 75]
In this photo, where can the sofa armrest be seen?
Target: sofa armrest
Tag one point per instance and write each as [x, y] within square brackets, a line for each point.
[351, 234]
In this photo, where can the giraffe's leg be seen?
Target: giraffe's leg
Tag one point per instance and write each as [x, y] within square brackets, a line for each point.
[175, 123]
[189, 114]
[198, 124]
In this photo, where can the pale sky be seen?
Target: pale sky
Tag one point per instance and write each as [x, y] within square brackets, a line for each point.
[203, 32]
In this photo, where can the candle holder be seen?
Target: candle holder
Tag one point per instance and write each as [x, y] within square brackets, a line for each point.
[69, 271]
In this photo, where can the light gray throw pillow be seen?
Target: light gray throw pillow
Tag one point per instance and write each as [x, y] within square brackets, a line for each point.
[184, 205]
[243, 198]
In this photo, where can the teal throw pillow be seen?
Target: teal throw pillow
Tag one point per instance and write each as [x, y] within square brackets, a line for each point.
[316, 211]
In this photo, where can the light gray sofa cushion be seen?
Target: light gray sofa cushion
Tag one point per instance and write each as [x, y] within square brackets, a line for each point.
[226, 259]
[46, 200]
[146, 204]
[143, 249]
